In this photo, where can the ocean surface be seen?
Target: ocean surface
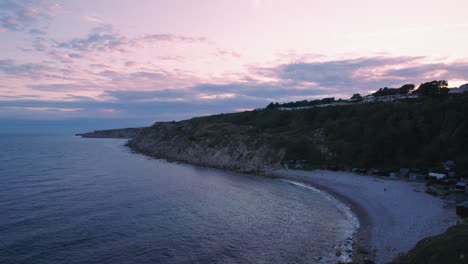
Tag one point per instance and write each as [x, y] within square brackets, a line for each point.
[64, 199]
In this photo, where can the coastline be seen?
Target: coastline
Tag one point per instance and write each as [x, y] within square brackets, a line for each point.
[355, 247]
[360, 243]
[360, 246]
[392, 221]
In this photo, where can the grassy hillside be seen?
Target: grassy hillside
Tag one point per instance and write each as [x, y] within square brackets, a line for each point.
[418, 133]
[448, 248]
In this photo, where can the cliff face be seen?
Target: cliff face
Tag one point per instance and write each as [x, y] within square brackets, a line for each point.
[220, 145]
[113, 133]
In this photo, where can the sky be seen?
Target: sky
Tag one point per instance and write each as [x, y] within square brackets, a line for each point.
[112, 62]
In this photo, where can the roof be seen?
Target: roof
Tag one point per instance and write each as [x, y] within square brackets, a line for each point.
[437, 175]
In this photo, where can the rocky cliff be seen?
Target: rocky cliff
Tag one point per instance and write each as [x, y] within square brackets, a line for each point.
[220, 145]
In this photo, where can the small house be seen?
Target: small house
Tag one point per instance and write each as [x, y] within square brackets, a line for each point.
[438, 176]
[392, 175]
[461, 186]
[404, 172]
[416, 177]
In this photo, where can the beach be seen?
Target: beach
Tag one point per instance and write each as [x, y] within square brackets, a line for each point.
[394, 214]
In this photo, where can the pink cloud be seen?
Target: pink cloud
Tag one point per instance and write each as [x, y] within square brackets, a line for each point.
[171, 38]
[11, 21]
[225, 52]
[31, 12]
[108, 111]
[54, 9]
[94, 19]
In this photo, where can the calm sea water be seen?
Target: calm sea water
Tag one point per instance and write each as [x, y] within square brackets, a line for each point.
[64, 199]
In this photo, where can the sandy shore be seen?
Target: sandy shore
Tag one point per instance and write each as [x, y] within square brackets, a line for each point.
[392, 220]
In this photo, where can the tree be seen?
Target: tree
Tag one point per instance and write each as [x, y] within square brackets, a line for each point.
[356, 97]
[407, 88]
[433, 89]
[272, 106]
[328, 100]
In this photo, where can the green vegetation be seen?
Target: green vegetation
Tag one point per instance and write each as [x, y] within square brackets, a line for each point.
[429, 89]
[405, 89]
[356, 97]
[434, 89]
[305, 103]
[418, 133]
[448, 248]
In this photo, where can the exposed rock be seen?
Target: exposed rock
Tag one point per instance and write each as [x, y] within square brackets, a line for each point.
[218, 145]
[113, 133]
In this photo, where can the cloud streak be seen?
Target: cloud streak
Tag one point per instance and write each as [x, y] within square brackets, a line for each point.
[20, 15]
[158, 93]
[104, 38]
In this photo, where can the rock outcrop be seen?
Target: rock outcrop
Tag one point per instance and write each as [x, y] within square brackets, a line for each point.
[113, 133]
[219, 145]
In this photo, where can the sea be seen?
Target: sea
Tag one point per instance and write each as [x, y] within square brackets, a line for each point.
[66, 199]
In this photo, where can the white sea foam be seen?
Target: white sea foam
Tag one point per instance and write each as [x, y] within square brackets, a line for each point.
[350, 226]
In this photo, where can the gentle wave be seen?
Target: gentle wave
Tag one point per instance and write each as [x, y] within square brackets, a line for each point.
[346, 247]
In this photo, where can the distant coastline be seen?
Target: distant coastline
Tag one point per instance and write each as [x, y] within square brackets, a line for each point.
[125, 133]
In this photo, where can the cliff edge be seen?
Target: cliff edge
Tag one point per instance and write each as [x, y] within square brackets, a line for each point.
[220, 145]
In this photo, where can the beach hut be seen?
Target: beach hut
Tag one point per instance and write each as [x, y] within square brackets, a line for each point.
[392, 175]
[438, 176]
[416, 177]
[461, 186]
[404, 171]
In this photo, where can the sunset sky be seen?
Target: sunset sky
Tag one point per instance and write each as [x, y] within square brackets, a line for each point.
[137, 62]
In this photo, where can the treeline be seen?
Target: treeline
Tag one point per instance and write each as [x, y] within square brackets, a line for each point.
[418, 134]
[404, 90]
[304, 103]
[434, 88]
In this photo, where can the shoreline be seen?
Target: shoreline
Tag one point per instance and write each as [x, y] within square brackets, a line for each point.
[361, 247]
[356, 247]
[360, 239]
[384, 231]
